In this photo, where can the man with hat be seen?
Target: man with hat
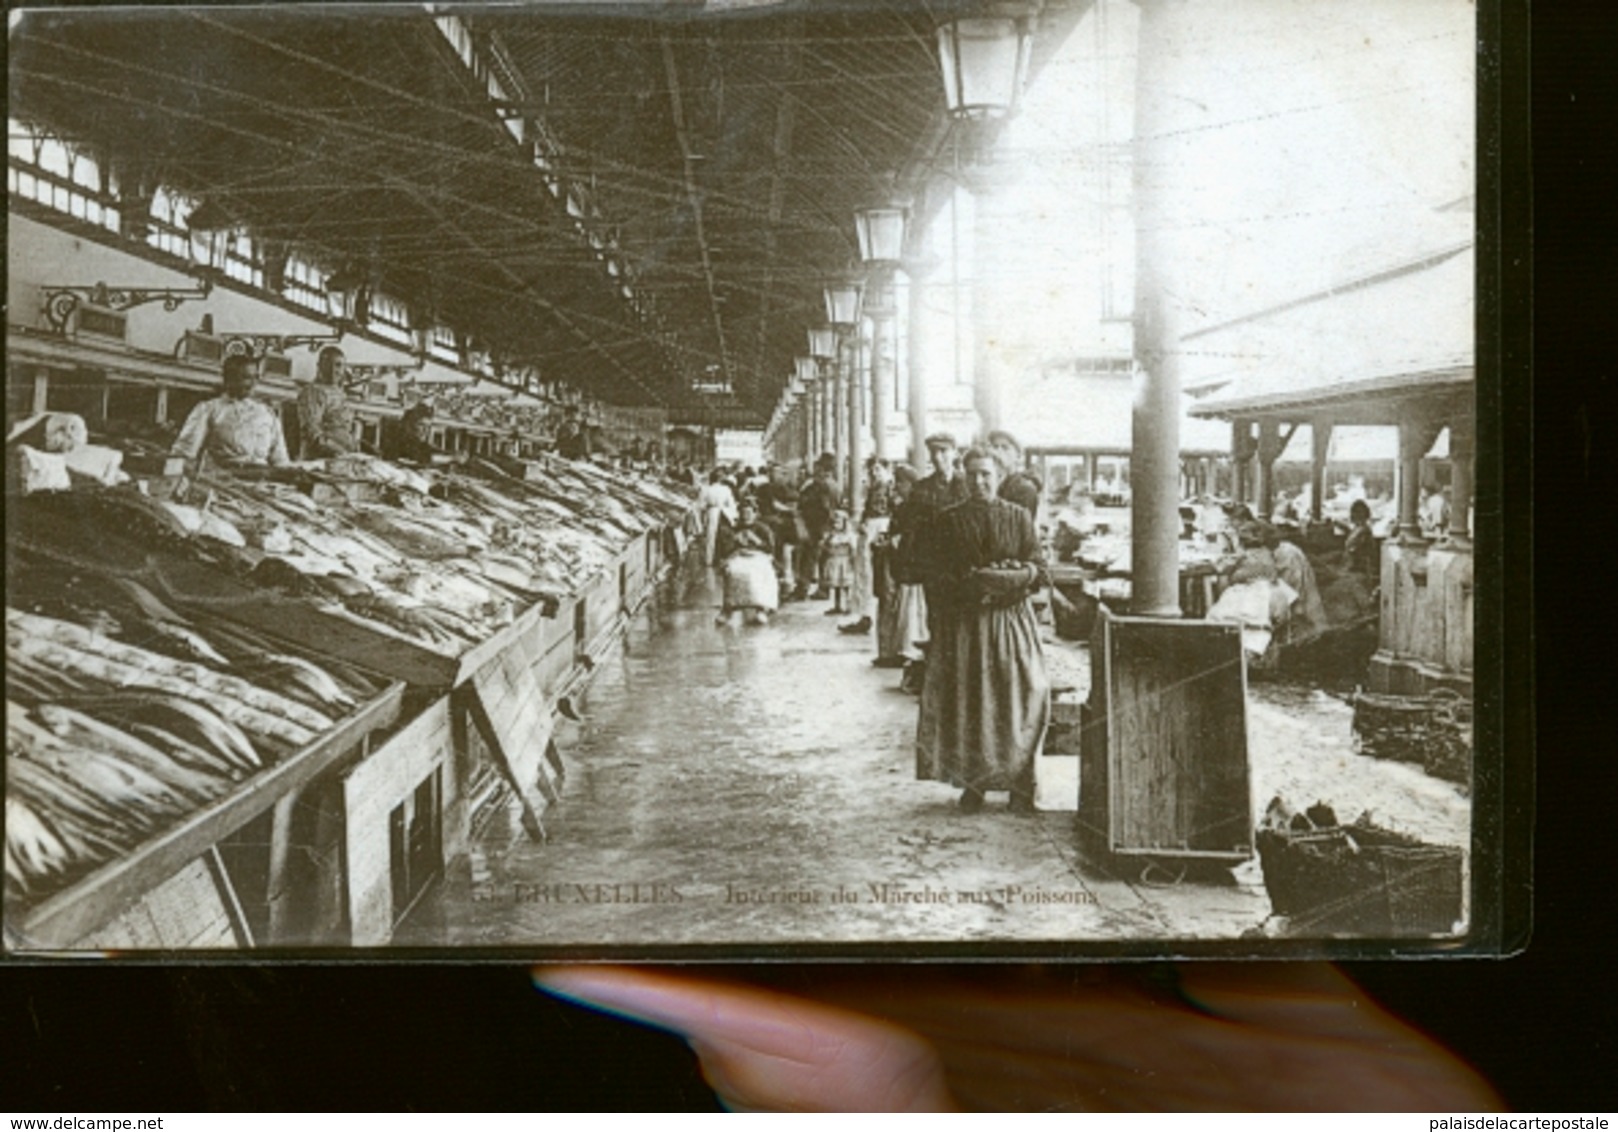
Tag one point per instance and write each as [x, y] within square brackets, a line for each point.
[868, 560]
[1017, 484]
[943, 489]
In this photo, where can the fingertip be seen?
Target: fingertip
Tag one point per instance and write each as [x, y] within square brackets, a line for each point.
[761, 1049]
[614, 990]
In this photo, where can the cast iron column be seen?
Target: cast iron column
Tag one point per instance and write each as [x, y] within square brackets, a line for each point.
[1416, 436]
[850, 359]
[828, 409]
[1320, 448]
[920, 350]
[1461, 447]
[1155, 455]
[989, 183]
[883, 348]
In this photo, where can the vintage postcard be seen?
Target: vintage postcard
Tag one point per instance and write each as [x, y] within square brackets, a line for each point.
[759, 479]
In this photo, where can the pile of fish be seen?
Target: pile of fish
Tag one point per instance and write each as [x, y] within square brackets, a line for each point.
[110, 742]
[446, 559]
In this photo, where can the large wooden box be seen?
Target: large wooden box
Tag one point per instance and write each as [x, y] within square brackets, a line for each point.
[1163, 769]
[404, 814]
[186, 887]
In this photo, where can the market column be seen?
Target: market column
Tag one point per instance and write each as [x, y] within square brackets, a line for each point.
[1417, 432]
[1155, 454]
[880, 309]
[1319, 449]
[1242, 447]
[840, 402]
[1270, 446]
[852, 358]
[811, 420]
[920, 270]
[989, 182]
[828, 408]
[1462, 445]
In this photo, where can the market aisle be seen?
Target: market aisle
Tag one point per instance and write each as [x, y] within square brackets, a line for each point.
[755, 785]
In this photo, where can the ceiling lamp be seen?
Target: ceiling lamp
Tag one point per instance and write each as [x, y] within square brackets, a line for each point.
[985, 61]
[212, 233]
[822, 343]
[421, 333]
[843, 302]
[881, 232]
[806, 373]
[344, 290]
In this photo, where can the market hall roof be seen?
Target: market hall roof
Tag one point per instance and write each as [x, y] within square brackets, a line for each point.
[1355, 349]
[637, 197]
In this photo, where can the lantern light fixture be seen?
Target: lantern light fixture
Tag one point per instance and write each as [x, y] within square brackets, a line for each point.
[822, 343]
[211, 232]
[345, 298]
[984, 60]
[421, 339]
[881, 232]
[843, 302]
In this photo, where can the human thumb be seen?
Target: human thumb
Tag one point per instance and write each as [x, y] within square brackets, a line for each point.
[766, 1051]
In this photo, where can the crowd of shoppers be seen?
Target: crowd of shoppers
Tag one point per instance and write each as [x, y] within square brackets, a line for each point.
[939, 570]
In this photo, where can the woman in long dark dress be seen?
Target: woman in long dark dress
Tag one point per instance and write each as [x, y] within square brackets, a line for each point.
[985, 704]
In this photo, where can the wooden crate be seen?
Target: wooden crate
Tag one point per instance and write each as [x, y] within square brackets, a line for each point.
[188, 911]
[1163, 748]
[65, 920]
[402, 806]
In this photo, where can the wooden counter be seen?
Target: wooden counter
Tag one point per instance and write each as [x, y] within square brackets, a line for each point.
[62, 921]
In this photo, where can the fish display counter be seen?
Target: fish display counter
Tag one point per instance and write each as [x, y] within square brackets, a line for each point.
[127, 763]
[195, 670]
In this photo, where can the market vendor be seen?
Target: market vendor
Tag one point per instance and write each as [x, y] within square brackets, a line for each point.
[1307, 615]
[416, 439]
[573, 438]
[235, 429]
[747, 568]
[325, 418]
[985, 703]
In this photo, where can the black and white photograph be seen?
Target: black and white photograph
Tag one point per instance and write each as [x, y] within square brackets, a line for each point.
[865, 478]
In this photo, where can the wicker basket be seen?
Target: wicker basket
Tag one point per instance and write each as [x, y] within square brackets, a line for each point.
[1359, 880]
[1433, 730]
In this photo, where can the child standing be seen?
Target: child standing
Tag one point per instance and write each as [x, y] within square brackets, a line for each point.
[837, 562]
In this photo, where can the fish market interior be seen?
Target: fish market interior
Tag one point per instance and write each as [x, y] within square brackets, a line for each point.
[613, 478]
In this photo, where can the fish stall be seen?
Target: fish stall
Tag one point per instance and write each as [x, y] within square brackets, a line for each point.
[263, 709]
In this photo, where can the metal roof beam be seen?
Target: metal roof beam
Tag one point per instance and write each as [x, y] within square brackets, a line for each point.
[694, 196]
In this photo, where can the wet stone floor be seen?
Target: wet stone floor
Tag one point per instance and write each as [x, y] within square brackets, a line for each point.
[755, 786]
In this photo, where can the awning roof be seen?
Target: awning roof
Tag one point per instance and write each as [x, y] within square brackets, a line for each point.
[1064, 412]
[1356, 349]
[717, 155]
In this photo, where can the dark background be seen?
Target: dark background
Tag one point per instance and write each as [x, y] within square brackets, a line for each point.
[1541, 1025]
